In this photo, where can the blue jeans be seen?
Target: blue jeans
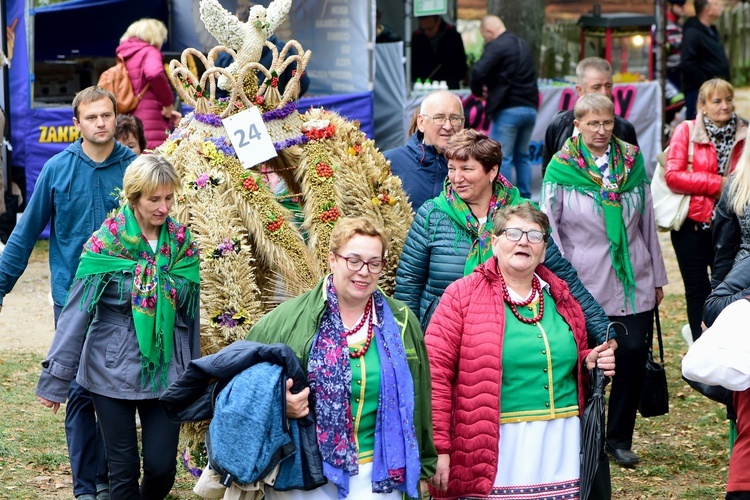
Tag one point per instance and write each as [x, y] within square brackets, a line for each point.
[512, 128]
[88, 462]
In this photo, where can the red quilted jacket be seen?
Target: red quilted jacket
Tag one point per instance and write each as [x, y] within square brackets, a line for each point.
[704, 182]
[465, 353]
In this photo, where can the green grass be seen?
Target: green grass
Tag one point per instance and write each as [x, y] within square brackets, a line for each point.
[684, 454]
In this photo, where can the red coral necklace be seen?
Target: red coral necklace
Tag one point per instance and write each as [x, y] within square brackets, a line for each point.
[367, 316]
[536, 291]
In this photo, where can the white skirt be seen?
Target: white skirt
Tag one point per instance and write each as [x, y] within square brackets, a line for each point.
[539, 459]
[360, 488]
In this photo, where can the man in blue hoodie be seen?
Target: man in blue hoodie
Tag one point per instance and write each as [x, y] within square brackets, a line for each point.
[74, 192]
[420, 164]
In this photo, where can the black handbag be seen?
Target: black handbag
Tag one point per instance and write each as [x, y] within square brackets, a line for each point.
[654, 399]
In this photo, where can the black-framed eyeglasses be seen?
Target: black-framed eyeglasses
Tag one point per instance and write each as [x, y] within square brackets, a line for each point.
[440, 120]
[515, 234]
[595, 126]
[355, 264]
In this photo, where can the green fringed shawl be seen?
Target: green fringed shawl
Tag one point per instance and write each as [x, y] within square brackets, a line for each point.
[468, 226]
[573, 167]
[160, 280]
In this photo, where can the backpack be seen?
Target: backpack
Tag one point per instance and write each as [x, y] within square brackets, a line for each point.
[117, 81]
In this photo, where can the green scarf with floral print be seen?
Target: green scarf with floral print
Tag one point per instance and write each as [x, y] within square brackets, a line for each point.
[573, 166]
[468, 226]
[161, 280]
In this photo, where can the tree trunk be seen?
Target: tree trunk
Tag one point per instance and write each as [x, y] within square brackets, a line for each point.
[525, 18]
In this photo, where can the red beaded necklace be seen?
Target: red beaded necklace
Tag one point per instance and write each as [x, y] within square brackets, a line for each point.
[367, 316]
[359, 353]
[361, 323]
[536, 291]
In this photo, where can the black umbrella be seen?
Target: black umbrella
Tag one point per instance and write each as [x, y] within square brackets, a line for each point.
[595, 480]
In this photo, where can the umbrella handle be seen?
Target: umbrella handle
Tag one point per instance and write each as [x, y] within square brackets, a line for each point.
[611, 325]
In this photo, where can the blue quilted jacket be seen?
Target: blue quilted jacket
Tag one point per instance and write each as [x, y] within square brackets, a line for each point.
[433, 258]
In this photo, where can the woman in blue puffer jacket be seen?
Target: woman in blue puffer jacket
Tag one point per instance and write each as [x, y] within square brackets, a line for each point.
[451, 233]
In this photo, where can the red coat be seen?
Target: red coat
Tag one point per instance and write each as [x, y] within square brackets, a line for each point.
[739, 463]
[145, 65]
[465, 353]
[704, 182]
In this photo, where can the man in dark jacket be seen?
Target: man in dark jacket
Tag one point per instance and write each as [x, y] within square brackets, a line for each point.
[594, 77]
[506, 73]
[437, 52]
[702, 55]
[420, 164]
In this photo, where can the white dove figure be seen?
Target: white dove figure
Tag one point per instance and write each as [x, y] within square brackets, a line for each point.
[246, 39]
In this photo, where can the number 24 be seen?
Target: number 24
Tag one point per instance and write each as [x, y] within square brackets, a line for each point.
[252, 134]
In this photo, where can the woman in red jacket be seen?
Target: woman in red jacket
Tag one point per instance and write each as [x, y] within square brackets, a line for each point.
[718, 137]
[140, 47]
[507, 346]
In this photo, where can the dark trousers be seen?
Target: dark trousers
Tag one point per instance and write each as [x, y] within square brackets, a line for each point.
[738, 495]
[88, 463]
[159, 437]
[695, 255]
[630, 363]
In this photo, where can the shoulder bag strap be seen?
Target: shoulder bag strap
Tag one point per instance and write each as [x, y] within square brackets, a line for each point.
[658, 336]
[691, 151]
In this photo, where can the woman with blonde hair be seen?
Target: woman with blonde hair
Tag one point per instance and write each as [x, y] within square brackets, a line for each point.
[130, 327]
[366, 363]
[140, 47]
[718, 136]
[731, 234]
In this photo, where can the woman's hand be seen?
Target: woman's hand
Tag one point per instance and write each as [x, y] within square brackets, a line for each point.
[166, 111]
[659, 292]
[440, 480]
[49, 404]
[297, 405]
[603, 357]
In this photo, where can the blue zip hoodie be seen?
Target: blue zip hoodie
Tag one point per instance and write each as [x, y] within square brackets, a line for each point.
[421, 169]
[75, 194]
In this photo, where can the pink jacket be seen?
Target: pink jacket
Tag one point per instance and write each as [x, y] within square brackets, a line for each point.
[465, 353]
[145, 65]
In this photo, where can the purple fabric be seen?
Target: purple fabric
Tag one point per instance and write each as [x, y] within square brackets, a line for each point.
[396, 462]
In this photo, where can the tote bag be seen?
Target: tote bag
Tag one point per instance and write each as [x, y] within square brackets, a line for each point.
[670, 208]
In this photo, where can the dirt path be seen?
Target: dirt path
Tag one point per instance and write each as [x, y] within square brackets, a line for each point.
[26, 321]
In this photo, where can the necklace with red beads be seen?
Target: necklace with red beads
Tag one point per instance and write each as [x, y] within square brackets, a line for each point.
[366, 317]
[536, 291]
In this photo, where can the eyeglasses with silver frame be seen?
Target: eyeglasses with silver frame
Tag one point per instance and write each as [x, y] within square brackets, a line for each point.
[515, 234]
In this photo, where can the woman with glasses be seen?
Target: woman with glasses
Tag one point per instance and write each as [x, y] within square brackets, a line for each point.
[718, 137]
[369, 377]
[507, 348]
[450, 235]
[597, 196]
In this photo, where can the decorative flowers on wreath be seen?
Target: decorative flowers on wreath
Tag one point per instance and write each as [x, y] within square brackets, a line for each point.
[227, 247]
[229, 318]
[249, 182]
[330, 213]
[323, 170]
[319, 129]
[204, 180]
[274, 222]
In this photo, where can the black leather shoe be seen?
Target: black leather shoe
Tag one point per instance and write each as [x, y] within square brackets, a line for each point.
[626, 458]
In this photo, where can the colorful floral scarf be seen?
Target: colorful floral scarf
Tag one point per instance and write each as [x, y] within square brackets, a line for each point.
[573, 167]
[468, 226]
[396, 463]
[159, 282]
